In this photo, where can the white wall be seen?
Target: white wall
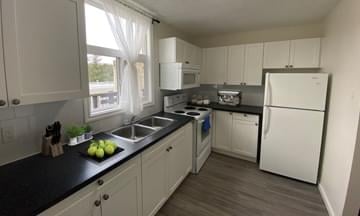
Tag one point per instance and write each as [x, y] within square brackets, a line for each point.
[263, 35]
[340, 58]
[29, 122]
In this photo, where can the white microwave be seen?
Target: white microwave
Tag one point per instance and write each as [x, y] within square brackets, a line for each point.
[177, 76]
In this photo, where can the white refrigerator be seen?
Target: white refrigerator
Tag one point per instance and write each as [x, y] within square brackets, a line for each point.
[293, 120]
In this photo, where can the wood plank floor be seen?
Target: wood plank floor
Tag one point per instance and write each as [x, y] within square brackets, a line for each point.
[228, 186]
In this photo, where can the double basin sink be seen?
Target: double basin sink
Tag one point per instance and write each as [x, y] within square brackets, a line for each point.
[141, 129]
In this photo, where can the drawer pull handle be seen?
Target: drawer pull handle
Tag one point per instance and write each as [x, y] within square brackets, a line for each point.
[97, 203]
[106, 196]
[100, 182]
[2, 103]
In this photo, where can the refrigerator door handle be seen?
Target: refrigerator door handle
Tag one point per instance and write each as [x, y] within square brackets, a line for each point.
[267, 121]
[268, 93]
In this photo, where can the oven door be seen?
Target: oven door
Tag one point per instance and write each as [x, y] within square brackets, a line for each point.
[203, 138]
[190, 77]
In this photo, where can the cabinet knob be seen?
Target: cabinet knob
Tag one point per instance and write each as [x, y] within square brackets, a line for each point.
[15, 101]
[97, 203]
[256, 124]
[287, 66]
[100, 182]
[2, 103]
[291, 66]
[187, 62]
[106, 196]
[168, 149]
[230, 113]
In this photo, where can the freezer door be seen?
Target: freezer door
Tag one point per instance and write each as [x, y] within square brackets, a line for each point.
[291, 142]
[296, 90]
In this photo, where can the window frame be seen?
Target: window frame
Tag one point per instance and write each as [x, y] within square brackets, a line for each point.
[149, 79]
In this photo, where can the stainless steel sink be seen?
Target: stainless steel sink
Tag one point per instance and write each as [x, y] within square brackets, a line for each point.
[133, 133]
[156, 122]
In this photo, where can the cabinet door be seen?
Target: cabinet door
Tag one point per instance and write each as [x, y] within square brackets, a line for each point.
[189, 54]
[45, 49]
[276, 54]
[235, 64]
[198, 56]
[305, 53]
[180, 50]
[215, 61]
[154, 178]
[244, 138]
[3, 90]
[121, 195]
[178, 159]
[80, 204]
[253, 64]
[223, 130]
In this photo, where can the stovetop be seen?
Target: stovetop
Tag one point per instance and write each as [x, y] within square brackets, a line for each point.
[177, 104]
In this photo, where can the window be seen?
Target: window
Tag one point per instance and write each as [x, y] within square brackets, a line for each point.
[105, 62]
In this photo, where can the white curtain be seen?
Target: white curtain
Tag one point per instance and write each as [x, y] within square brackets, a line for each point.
[130, 30]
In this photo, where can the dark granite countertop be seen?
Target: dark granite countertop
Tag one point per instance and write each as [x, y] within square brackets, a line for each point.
[256, 110]
[31, 185]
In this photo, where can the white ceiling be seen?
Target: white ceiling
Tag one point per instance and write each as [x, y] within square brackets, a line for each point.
[204, 17]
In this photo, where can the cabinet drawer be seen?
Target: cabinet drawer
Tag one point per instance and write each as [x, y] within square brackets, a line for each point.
[246, 117]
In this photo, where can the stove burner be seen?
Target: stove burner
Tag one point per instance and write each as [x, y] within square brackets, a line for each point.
[189, 108]
[179, 111]
[202, 109]
[193, 113]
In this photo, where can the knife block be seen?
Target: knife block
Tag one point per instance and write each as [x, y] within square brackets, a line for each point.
[48, 148]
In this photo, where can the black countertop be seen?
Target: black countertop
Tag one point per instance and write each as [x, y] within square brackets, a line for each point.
[31, 185]
[256, 110]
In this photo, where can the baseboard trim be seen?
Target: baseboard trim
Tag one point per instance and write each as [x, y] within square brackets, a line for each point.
[326, 200]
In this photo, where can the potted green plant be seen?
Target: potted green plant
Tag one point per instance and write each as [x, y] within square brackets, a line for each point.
[88, 131]
[81, 135]
[72, 132]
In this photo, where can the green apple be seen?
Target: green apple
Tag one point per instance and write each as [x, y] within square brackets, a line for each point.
[91, 150]
[100, 153]
[101, 144]
[109, 150]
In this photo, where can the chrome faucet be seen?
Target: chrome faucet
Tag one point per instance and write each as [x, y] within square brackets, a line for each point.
[132, 119]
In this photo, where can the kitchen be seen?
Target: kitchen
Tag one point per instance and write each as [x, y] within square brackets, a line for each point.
[71, 69]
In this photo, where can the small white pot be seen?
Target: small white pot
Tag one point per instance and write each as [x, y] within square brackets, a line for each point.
[88, 135]
[73, 141]
[80, 138]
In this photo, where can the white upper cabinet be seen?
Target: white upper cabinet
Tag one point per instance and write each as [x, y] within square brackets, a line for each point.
[215, 65]
[305, 53]
[45, 50]
[276, 54]
[3, 91]
[253, 64]
[235, 64]
[176, 50]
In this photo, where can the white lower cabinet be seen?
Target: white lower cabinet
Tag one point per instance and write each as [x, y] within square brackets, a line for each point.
[139, 187]
[165, 166]
[121, 194]
[236, 134]
[117, 193]
[223, 130]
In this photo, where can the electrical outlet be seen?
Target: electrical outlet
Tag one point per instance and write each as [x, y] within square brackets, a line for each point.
[8, 134]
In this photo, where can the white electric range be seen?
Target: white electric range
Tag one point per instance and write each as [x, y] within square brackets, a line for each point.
[177, 104]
